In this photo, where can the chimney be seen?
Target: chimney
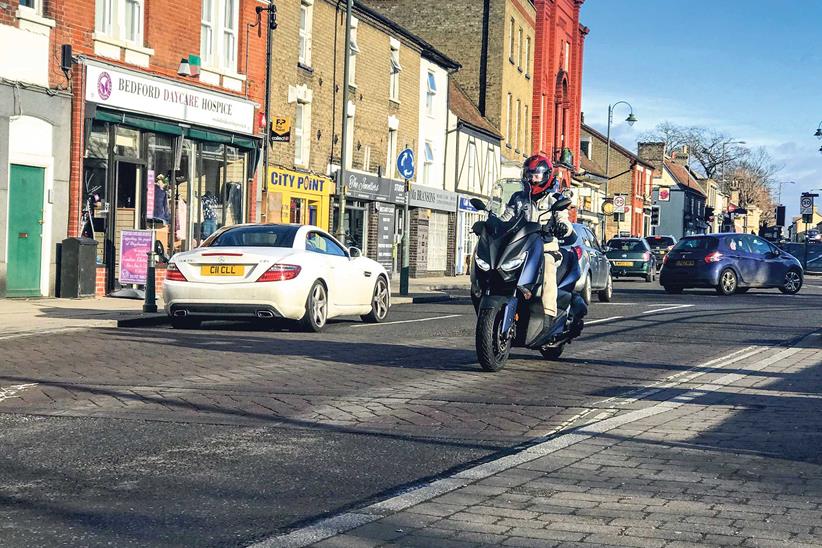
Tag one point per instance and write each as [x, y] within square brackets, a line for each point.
[653, 153]
[681, 156]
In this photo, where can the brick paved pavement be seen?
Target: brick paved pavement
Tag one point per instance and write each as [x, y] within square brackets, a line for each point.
[731, 458]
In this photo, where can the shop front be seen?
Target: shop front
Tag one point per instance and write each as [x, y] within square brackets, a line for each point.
[433, 230]
[467, 215]
[299, 197]
[164, 157]
[373, 216]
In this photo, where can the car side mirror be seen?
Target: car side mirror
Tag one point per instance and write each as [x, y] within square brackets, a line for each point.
[478, 204]
[354, 252]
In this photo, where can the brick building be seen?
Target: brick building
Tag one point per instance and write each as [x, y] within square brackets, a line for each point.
[161, 151]
[493, 40]
[631, 178]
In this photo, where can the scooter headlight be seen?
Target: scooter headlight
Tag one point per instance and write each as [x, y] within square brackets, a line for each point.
[482, 264]
[514, 263]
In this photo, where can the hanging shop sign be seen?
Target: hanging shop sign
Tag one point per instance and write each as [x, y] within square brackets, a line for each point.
[365, 186]
[281, 129]
[135, 92]
[433, 198]
[465, 204]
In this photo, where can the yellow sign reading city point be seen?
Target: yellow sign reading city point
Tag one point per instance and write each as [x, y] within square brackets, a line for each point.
[280, 180]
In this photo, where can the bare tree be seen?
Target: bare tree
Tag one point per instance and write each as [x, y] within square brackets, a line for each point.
[753, 177]
[709, 150]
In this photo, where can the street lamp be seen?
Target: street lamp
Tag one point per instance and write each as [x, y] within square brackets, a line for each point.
[818, 133]
[780, 183]
[631, 119]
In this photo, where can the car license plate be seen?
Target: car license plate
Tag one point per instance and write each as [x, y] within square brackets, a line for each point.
[684, 263]
[222, 270]
[623, 263]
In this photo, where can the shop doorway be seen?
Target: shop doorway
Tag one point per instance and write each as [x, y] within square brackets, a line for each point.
[25, 230]
[128, 214]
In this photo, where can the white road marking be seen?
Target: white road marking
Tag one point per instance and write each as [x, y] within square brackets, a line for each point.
[7, 392]
[341, 523]
[408, 321]
[668, 308]
[5, 337]
[592, 322]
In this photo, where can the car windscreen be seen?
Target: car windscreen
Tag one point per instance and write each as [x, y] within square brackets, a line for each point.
[690, 244]
[660, 242]
[635, 246]
[254, 236]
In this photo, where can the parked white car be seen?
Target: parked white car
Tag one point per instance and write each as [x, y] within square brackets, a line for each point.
[297, 272]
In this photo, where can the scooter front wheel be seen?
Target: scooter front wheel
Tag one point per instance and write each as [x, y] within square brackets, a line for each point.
[493, 346]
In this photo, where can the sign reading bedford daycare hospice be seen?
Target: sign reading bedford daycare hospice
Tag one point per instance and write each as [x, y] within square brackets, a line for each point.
[664, 194]
[405, 163]
[365, 186]
[309, 183]
[134, 248]
[131, 91]
[433, 198]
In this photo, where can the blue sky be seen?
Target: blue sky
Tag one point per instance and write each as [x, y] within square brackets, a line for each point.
[749, 68]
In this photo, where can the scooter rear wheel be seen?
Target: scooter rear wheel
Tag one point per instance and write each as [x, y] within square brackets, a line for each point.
[552, 352]
[493, 346]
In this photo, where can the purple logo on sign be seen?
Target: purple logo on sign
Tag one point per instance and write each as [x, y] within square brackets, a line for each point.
[104, 85]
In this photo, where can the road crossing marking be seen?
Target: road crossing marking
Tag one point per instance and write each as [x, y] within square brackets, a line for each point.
[7, 392]
[668, 308]
[408, 321]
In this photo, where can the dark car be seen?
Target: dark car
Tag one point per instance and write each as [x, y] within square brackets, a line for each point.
[631, 258]
[660, 246]
[596, 270]
[731, 263]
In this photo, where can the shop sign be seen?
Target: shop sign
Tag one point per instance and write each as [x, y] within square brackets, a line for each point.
[385, 235]
[365, 186]
[664, 194]
[298, 181]
[163, 98]
[433, 198]
[281, 129]
[465, 204]
[135, 246]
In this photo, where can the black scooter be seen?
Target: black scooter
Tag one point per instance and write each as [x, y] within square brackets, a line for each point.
[506, 289]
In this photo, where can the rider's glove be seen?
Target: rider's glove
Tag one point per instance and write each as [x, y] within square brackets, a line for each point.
[560, 230]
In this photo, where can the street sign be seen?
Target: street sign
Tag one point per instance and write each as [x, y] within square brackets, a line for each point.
[619, 202]
[806, 205]
[664, 194]
[405, 163]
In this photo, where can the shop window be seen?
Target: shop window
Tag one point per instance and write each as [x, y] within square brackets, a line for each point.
[127, 142]
[306, 29]
[296, 211]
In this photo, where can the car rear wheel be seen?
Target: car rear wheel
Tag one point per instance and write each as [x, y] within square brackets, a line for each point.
[727, 282]
[673, 289]
[793, 283]
[586, 290]
[316, 309]
[379, 303]
[606, 294]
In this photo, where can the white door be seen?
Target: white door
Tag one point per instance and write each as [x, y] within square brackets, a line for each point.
[438, 242]
[339, 268]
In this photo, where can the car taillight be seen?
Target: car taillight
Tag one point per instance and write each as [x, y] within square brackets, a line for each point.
[713, 257]
[579, 252]
[280, 272]
[173, 274]
[665, 259]
[646, 256]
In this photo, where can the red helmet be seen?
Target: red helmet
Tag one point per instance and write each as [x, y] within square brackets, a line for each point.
[536, 172]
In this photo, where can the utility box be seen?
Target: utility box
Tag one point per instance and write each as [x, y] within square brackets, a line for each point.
[78, 268]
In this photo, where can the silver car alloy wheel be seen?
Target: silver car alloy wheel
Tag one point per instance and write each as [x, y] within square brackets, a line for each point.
[792, 281]
[381, 299]
[728, 281]
[320, 305]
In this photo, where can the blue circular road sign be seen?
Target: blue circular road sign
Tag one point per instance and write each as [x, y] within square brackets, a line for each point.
[405, 163]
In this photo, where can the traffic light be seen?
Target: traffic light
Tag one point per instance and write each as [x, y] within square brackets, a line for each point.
[780, 215]
[654, 215]
[807, 218]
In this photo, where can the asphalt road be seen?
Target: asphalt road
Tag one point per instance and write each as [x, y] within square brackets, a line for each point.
[233, 433]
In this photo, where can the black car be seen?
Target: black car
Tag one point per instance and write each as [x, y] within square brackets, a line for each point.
[660, 246]
[730, 263]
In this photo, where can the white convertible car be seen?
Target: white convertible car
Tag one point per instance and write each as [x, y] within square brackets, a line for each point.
[296, 272]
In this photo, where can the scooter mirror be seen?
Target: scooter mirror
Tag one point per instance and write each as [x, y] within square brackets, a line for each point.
[478, 204]
[561, 204]
[478, 227]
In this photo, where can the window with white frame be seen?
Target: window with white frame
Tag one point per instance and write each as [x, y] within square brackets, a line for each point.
[511, 42]
[219, 25]
[118, 19]
[519, 48]
[306, 29]
[35, 6]
[394, 78]
[432, 92]
[302, 133]
[391, 168]
[508, 120]
[528, 56]
[353, 50]
[428, 162]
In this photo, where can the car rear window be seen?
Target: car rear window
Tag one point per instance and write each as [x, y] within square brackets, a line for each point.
[627, 245]
[660, 242]
[704, 243]
[254, 236]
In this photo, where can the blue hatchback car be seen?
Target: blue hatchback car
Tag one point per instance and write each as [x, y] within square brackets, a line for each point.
[730, 263]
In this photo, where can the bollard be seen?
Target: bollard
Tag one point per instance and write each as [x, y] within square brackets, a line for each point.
[150, 303]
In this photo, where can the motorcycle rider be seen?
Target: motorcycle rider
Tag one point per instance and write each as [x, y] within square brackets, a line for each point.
[540, 192]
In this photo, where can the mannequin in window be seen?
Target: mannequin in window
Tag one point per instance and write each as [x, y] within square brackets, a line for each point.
[234, 200]
[161, 210]
[209, 205]
[181, 231]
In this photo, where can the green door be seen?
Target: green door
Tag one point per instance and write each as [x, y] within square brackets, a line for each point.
[25, 231]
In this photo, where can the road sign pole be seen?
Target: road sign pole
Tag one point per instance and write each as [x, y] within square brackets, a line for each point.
[406, 242]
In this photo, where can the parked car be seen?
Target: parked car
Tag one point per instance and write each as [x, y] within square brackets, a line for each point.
[596, 270]
[297, 272]
[631, 258]
[660, 246]
[730, 263]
